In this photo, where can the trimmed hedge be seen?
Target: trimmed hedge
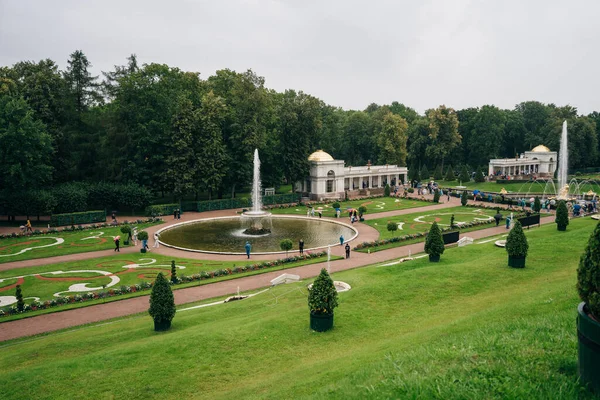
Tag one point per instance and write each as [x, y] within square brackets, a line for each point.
[161, 209]
[86, 217]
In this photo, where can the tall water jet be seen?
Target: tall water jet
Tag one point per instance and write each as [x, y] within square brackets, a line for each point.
[563, 165]
[257, 215]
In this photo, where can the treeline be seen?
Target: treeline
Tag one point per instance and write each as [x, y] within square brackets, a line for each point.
[172, 131]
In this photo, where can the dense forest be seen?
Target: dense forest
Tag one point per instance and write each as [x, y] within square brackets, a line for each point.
[152, 129]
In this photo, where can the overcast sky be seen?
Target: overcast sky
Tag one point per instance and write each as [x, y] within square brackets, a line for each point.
[349, 54]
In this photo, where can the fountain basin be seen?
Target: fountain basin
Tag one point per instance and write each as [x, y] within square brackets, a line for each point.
[224, 235]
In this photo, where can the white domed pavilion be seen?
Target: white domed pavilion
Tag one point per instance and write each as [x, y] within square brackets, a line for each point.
[539, 162]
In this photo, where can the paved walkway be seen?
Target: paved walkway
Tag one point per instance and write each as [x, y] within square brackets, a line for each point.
[69, 318]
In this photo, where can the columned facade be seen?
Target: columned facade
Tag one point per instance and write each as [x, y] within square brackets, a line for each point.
[539, 162]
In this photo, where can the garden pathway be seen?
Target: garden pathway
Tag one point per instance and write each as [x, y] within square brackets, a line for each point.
[69, 318]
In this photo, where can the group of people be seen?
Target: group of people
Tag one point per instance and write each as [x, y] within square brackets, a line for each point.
[248, 247]
[177, 213]
[311, 212]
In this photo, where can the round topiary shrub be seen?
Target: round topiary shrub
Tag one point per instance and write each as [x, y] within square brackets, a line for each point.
[322, 300]
[562, 216]
[142, 235]
[517, 246]
[162, 304]
[126, 230]
[392, 226]
[286, 245]
[336, 205]
[434, 243]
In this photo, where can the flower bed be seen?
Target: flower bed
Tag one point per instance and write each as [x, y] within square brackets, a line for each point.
[125, 289]
[73, 228]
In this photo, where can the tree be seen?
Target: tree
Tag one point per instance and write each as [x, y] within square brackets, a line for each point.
[322, 296]
[485, 141]
[82, 86]
[436, 196]
[126, 230]
[438, 174]
[392, 226]
[537, 205]
[286, 245]
[25, 147]
[516, 242]
[588, 273]
[162, 304]
[479, 175]
[386, 190]
[434, 242]
[562, 216]
[465, 176]
[359, 134]
[174, 272]
[534, 115]
[392, 136]
[463, 198]
[443, 132]
[450, 174]
[418, 140]
[425, 175]
[20, 302]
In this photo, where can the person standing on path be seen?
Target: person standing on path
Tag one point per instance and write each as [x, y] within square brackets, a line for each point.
[29, 229]
[341, 240]
[248, 247]
[156, 242]
[448, 194]
[347, 250]
[175, 214]
[117, 242]
[301, 246]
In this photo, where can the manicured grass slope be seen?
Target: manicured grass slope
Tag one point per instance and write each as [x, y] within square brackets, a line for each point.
[467, 327]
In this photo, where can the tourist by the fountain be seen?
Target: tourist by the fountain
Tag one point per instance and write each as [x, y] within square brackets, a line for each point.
[320, 213]
[507, 222]
[117, 242]
[347, 250]
[248, 247]
[156, 242]
[312, 211]
[301, 246]
[341, 240]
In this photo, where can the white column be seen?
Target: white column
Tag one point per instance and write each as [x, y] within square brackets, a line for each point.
[370, 181]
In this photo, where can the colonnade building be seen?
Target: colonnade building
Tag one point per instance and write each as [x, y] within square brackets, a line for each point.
[539, 162]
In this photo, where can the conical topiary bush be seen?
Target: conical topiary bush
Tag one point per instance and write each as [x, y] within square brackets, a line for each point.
[562, 216]
[162, 304]
[434, 243]
[322, 300]
[517, 246]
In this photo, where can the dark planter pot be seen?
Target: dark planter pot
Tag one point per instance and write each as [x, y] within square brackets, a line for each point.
[531, 220]
[126, 243]
[142, 250]
[561, 228]
[321, 322]
[450, 237]
[434, 258]
[162, 325]
[516, 261]
[588, 337]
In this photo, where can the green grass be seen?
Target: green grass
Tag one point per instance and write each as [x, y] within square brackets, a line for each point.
[520, 187]
[74, 242]
[118, 264]
[468, 327]
[411, 225]
[376, 205]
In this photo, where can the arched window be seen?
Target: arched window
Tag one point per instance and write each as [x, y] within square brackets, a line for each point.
[330, 181]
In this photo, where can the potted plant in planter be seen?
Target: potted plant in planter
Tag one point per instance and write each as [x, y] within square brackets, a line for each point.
[517, 246]
[434, 243]
[562, 216]
[362, 210]
[588, 327]
[143, 236]
[322, 299]
[126, 230]
[162, 304]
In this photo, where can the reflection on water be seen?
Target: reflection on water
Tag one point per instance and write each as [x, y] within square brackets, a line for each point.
[226, 235]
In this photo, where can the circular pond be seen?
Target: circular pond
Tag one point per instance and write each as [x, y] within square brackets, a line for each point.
[225, 235]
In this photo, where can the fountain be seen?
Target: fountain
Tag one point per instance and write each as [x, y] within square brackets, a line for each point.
[563, 165]
[264, 231]
[257, 217]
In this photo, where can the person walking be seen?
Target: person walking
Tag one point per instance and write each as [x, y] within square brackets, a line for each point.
[178, 213]
[498, 217]
[117, 242]
[347, 250]
[301, 246]
[448, 194]
[341, 240]
[248, 247]
[175, 214]
[156, 242]
[28, 227]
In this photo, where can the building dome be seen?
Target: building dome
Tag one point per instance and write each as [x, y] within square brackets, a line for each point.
[320, 155]
[540, 149]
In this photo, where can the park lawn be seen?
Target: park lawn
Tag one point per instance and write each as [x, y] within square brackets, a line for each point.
[74, 242]
[131, 269]
[517, 187]
[421, 221]
[375, 205]
[466, 327]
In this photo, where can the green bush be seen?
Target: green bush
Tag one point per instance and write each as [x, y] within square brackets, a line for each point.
[516, 242]
[434, 242]
[392, 226]
[19, 296]
[562, 216]
[322, 296]
[464, 177]
[162, 303]
[386, 191]
[464, 198]
[286, 245]
[450, 174]
[161, 209]
[173, 272]
[537, 205]
[479, 176]
[142, 235]
[588, 273]
[336, 205]
[438, 174]
[362, 210]
[436, 196]
[86, 217]
[410, 190]
[126, 230]
[70, 198]
[425, 175]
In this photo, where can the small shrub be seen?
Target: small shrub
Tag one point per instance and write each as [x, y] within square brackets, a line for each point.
[464, 175]
[286, 245]
[516, 242]
[142, 235]
[392, 226]
[537, 205]
[436, 196]
[450, 174]
[362, 210]
[438, 174]
[322, 296]
[162, 303]
[434, 243]
[20, 302]
[479, 176]
[464, 198]
[588, 273]
[173, 272]
[562, 216]
[336, 205]
[410, 190]
[386, 191]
